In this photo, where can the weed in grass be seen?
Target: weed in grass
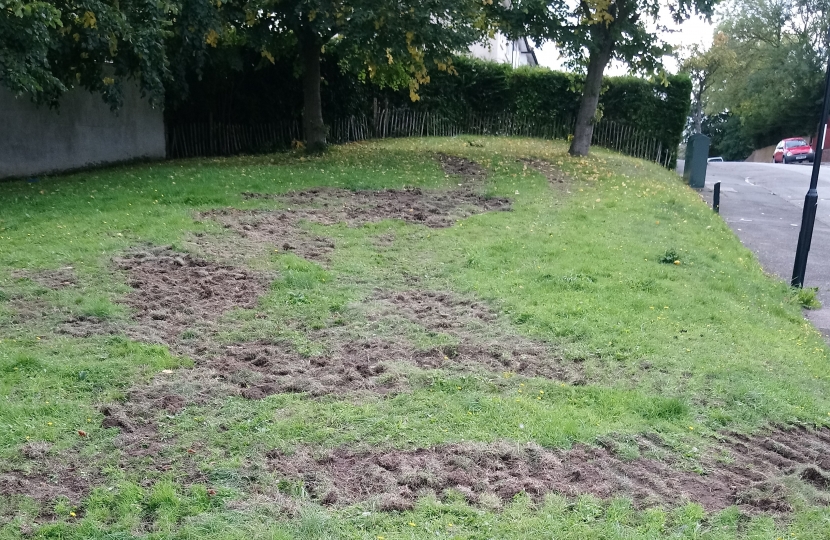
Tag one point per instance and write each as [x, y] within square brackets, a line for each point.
[670, 257]
[808, 298]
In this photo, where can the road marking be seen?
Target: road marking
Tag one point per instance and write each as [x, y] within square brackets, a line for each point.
[748, 182]
[742, 219]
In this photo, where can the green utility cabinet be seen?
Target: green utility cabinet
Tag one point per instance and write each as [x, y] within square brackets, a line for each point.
[697, 154]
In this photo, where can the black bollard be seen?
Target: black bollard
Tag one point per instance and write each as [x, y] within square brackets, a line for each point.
[716, 199]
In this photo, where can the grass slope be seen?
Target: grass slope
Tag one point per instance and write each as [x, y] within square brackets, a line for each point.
[683, 350]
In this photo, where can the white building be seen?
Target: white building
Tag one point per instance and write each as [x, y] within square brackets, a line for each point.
[499, 49]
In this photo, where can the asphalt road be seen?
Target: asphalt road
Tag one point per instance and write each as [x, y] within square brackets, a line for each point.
[762, 203]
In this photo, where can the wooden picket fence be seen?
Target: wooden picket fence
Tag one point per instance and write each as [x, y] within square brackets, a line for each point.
[200, 140]
[630, 141]
[217, 139]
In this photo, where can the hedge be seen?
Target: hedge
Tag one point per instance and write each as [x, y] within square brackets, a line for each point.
[247, 91]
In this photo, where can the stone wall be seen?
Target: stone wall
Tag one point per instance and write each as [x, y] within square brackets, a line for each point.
[82, 132]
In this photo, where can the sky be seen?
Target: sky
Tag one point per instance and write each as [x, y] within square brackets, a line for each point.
[694, 30]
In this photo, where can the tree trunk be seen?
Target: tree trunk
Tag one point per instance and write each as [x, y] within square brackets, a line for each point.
[313, 126]
[584, 130]
[699, 112]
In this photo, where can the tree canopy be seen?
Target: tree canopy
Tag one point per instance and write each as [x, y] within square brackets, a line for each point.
[392, 42]
[47, 48]
[591, 33]
[704, 66]
[774, 86]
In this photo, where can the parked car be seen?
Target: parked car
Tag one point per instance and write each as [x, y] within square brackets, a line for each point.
[715, 160]
[793, 149]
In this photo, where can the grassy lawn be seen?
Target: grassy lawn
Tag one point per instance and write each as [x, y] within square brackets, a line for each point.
[499, 341]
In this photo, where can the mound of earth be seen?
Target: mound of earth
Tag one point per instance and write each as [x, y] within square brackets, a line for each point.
[488, 473]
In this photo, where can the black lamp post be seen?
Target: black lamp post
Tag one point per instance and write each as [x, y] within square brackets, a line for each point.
[808, 216]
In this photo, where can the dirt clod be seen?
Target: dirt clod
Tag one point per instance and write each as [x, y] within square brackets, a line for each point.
[35, 449]
[171, 403]
[116, 419]
[463, 167]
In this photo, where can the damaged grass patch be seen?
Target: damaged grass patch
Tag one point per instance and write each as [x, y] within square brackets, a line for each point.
[417, 350]
[492, 475]
[283, 229]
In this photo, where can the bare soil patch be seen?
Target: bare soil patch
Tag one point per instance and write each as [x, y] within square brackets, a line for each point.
[83, 326]
[351, 367]
[357, 365]
[281, 230]
[485, 341]
[51, 279]
[484, 473]
[556, 176]
[29, 311]
[463, 167]
[433, 208]
[350, 364]
[175, 292]
[49, 477]
[372, 365]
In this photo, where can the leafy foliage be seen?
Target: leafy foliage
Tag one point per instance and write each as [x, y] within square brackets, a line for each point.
[47, 48]
[391, 43]
[808, 297]
[703, 67]
[775, 85]
[727, 136]
[591, 33]
[25, 29]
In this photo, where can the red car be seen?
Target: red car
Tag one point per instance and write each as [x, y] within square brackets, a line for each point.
[793, 149]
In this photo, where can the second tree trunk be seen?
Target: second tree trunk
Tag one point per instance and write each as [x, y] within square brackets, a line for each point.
[313, 126]
[584, 129]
